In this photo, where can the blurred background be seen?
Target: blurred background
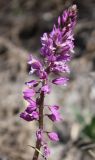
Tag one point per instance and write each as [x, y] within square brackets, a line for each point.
[22, 22]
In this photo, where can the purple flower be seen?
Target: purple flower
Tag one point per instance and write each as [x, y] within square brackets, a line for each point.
[60, 81]
[31, 101]
[60, 66]
[35, 115]
[25, 116]
[65, 16]
[46, 89]
[37, 67]
[28, 93]
[39, 134]
[47, 44]
[55, 115]
[46, 150]
[41, 74]
[29, 117]
[64, 57]
[53, 136]
[30, 108]
[73, 15]
[32, 83]
[35, 64]
[69, 17]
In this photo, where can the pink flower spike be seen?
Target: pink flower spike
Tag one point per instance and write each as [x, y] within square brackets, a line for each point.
[60, 81]
[53, 136]
[57, 50]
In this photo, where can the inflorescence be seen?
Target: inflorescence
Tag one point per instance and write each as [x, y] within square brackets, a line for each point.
[57, 50]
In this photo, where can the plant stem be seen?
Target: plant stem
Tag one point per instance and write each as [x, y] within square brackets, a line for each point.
[38, 142]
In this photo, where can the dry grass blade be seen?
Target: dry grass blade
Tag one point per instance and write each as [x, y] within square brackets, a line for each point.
[92, 154]
[38, 151]
[88, 146]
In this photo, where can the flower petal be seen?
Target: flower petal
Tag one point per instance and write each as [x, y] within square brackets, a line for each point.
[60, 81]
[39, 134]
[30, 108]
[29, 117]
[55, 115]
[46, 89]
[53, 136]
[32, 83]
[28, 93]
[46, 150]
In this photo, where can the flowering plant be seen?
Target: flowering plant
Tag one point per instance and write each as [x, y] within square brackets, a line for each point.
[57, 50]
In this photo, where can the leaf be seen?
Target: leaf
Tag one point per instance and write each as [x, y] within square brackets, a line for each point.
[89, 130]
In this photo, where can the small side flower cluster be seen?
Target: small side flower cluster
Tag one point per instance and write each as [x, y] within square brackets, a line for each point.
[57, 50]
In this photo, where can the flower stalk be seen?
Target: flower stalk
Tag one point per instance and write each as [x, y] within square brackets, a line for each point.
[38, 142]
